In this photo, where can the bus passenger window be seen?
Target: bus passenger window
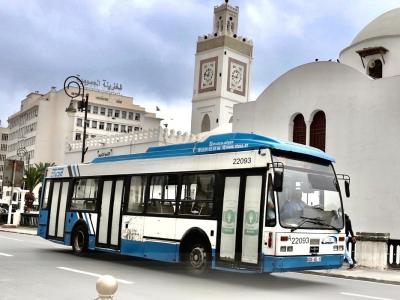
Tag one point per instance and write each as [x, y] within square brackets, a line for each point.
[136, 194]
[197, 196]
[84, 196]
[163, 191]
[270, 219]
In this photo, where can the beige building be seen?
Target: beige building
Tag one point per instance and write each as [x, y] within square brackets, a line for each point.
[3, 153]
[45, 130]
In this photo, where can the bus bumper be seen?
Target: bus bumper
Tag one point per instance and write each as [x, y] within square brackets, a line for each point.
[298, 263]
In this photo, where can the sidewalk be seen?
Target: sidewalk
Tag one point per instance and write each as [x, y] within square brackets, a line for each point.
[20, 229]
[361, 273]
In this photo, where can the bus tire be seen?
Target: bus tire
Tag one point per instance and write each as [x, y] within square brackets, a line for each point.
[197, 259]
[80, 239]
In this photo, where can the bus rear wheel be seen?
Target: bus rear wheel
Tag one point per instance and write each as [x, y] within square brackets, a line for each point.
[197, 259]
[80, 240]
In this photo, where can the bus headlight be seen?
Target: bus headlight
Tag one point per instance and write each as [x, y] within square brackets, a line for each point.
[335, 248]
[341, 248]
[283, 248]
[289, 249]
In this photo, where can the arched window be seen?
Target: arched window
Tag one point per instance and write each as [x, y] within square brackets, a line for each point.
[205, 124]
[318, 131]
[299, 130]
[375, 68]
[231, 119]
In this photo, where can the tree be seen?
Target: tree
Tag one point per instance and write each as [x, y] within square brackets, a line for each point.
[33, 176]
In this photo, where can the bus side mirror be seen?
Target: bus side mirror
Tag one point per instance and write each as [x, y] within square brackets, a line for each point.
[347, 188]
[346, 179]
[278, 181]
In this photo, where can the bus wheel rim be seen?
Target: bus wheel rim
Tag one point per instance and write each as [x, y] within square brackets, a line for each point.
[197, 257]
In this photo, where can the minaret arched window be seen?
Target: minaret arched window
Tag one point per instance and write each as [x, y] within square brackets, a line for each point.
[318, 131]
[299, 129]
[205, 124]
[375, 68]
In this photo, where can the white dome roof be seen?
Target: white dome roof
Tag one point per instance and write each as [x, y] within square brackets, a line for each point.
[384, 25]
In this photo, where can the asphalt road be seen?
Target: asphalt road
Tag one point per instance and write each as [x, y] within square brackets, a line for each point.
[33, 268]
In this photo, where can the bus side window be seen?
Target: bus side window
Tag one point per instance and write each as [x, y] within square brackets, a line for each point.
[197, 197]
[163, 191]
[84, 196]
[270, 219]
[136, 194]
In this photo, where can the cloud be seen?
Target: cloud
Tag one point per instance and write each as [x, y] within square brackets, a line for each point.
[149, 45]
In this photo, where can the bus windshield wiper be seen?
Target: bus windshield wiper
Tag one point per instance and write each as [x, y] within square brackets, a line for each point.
[329, 225]
[306, 220]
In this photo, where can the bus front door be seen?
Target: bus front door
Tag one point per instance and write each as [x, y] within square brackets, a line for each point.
[110, 214]
[239, 230]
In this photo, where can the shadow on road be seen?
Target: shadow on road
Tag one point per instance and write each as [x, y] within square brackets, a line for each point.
[276, 281]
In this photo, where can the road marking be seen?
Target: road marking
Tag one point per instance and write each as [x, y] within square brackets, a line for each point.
[92, 274]
[5, 254]
[365, 296]
[7, 238]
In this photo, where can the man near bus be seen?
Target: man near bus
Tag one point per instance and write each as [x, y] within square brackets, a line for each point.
[349, 234]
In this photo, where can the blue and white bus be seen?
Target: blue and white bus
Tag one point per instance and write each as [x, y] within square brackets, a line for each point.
[234, 201]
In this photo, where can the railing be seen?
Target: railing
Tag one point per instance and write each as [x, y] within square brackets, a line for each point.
[30, 220]
[393, 254]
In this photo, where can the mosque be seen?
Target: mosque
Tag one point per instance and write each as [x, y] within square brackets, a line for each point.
[349, 108]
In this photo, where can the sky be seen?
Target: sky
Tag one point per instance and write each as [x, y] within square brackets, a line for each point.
[148, 45]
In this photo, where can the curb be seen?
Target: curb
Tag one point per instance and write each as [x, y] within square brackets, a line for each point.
[352, 277]
[17, 232]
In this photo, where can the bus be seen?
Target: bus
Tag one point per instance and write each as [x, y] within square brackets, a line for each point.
[237, 201]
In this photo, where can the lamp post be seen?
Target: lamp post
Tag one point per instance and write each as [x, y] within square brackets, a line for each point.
[75, 82]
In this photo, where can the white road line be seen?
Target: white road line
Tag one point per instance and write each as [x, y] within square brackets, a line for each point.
[92, 274]
[5, 254]
[7, 238]
[365, 296]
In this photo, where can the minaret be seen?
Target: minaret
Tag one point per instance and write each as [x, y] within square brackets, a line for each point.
[222, 71]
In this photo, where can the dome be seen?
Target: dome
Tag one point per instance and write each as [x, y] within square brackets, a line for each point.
[384, 25]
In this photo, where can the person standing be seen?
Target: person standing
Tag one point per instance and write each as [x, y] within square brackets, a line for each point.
[349, 235]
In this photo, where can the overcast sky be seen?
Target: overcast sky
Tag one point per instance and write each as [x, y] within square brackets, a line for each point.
[148, 45]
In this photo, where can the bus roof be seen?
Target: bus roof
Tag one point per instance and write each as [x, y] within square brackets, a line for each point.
[220, 143]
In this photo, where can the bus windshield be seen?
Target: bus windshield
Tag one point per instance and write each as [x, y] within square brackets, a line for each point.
[310, 196]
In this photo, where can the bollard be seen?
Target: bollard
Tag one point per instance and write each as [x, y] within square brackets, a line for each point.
[106, 287]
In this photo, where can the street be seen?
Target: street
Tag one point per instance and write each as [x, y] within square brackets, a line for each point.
[33, 268]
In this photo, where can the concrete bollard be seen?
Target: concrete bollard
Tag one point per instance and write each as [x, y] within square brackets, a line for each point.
[106, 287]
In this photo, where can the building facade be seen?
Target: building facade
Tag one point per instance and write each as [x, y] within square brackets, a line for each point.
[350, 109]
[44, 129]
[3, 154]
[222, 71]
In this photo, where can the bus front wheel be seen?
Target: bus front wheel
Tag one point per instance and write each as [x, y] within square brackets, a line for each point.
[197, 259]
[79, 240]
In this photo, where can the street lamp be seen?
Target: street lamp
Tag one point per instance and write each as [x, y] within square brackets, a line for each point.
[75, 82]
[23, 155]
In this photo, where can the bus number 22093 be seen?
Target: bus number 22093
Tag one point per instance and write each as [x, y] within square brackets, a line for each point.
[242, 161]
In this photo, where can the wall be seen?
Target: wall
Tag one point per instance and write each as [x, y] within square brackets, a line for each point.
[119, 144]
